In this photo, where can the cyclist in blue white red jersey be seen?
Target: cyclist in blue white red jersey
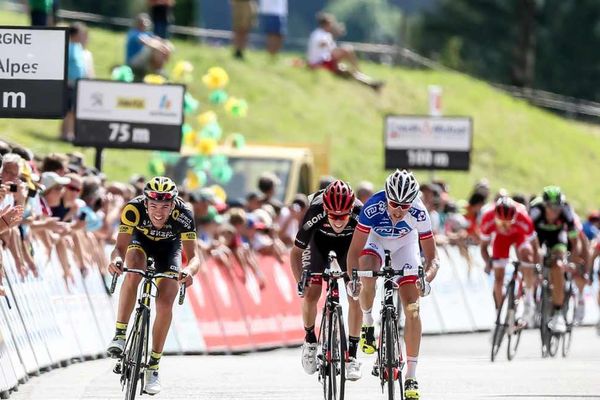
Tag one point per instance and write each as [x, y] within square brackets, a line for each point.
[395, 219]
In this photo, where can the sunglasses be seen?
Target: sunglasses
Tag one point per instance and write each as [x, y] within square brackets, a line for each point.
[402, 206]
[160, 196]
[338, 217]
[74, 188]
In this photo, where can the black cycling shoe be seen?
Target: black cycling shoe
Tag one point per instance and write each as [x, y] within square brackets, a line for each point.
[411, 389]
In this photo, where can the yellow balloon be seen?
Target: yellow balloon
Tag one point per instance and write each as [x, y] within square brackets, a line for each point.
[219, 192]
[189, 139]
[215, 78]
[207, 117]
[206, 146]
[182, 71]
[154, 79]
[191, 180]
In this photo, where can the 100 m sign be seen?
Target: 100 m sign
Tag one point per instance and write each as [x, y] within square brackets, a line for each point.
[427, 158]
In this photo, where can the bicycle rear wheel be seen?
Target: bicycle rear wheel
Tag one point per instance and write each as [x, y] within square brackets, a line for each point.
[569, 313]
[134, 357]
[500, 328]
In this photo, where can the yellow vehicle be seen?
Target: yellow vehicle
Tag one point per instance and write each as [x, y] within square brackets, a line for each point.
[296, 168]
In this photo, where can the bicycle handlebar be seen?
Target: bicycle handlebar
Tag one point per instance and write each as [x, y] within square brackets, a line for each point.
[147, 275]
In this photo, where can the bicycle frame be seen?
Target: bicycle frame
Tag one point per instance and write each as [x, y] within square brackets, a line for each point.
[132, 366]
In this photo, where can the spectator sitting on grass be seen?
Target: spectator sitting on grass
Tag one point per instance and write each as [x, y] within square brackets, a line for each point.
[146, 53]
[324, 52]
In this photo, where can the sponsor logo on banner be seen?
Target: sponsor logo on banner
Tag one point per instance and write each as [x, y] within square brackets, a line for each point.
[131, 103]
[221, 287]
[283, 283]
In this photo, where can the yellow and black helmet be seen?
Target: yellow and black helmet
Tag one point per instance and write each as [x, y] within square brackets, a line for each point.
[160, 188]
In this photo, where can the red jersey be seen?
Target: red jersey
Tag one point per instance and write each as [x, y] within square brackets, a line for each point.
[522, 226]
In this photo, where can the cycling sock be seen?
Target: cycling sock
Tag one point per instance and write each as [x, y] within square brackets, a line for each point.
[310, 336]
[367, 317]
[557, 308]
[154, 360]
[411, 370]
[352, 345]
[121, 330]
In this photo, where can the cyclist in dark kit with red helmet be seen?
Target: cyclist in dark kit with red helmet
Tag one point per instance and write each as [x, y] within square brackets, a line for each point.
[328, 225]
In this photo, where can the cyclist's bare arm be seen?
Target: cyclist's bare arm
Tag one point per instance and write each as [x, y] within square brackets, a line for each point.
[484, 249]
[535, 243]
[123, 240]
[430, 255]
[194, 261]
[359, 239]
[296, 262]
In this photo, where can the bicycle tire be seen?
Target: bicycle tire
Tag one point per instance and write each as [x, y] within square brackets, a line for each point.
[513, 334]
[500, 328]
[337, 366]
[569, 313]
[136, 356]
[546, 310]
[322, 358]
[391, 357]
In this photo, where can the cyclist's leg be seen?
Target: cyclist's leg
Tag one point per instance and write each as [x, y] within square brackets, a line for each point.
[408, 258]
[313, 260]
[500, 251]
[526, 256]
[371, 259]
[134, 258]
[167, 258]
[557, 276]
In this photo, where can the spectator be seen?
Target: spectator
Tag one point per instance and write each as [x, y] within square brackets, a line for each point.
[365, 191]
[324, 52]
[324, 181]
[273, 20]
[39, 11]
[472, 212]
[267, 184]
[56, 162]
[591, 227]
[243, 18]
[76, 70]
[146, 53]
[88, 57]
[201, 201]
[161, 12]
[253, 201]
[291, 218]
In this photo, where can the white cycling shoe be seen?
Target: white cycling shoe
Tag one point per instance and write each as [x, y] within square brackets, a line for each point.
[116, 347]
[558, 324]
[309, 357]
[152, 385]
[353, 372]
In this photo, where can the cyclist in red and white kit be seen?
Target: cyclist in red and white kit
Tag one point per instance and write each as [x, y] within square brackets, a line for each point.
[507, 224]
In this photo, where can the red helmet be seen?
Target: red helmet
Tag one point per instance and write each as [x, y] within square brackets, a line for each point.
[505, 209]
[338, 197]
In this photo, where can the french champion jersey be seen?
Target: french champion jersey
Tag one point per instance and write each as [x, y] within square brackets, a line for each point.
[374, 218]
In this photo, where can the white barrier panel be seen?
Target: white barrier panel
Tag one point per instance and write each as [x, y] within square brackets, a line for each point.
[11, 369]
[187, 328]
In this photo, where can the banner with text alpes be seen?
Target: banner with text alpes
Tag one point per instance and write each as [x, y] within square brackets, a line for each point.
[33, 72]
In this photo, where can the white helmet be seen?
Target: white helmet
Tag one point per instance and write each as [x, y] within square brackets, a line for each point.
[401, 187]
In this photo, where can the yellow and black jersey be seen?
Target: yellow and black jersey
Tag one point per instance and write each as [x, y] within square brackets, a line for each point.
[179, 225]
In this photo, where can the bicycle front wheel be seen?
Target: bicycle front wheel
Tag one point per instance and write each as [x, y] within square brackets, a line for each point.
[136, 352]
[546, 312]
[500, 328]
[513, 334]
[391, 358]
[569, 314]
[336, 357]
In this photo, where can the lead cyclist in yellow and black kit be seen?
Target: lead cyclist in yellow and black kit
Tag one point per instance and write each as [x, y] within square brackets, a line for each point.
[156, 224]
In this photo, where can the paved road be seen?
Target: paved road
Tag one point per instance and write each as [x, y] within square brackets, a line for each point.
[451, 367]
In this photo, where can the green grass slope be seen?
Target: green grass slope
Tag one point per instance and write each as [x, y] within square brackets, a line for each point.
[516, 146]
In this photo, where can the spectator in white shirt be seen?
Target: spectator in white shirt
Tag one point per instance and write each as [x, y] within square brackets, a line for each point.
[273, 20]
[324, 52]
